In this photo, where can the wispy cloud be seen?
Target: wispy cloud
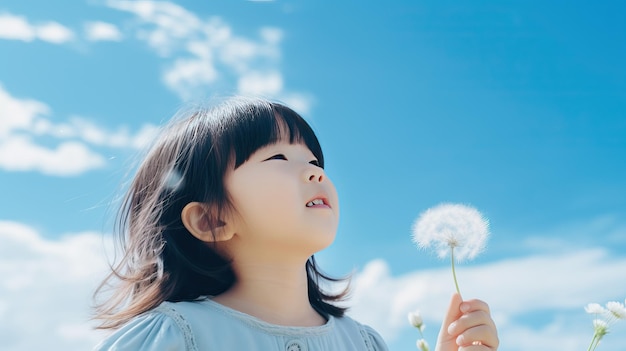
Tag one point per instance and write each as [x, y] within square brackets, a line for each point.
[18, 113]
[46, 288]
[102, 31]
[21, 153]
[204, 53]
[257, 83]
[23, 121]
[560, 285]
[54, 33]
[14, 27]
[96, 135]
[169, 26]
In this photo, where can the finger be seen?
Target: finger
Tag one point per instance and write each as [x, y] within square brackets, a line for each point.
[483, 335]
[475, 325]
[474, 305]
[453, 313]
[477, 347]
[470, 320]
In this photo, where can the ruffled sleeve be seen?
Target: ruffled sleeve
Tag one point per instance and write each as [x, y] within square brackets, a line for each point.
[158, 330]
[373, 340]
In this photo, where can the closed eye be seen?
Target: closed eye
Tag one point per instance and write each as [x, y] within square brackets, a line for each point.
[277, 157]
[316, 163]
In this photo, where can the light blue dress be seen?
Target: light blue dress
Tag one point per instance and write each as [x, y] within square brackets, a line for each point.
[209, 326]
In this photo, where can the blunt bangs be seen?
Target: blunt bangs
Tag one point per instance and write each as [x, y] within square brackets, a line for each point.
[253, 124]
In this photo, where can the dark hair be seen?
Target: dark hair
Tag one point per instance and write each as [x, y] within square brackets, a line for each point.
[161, 260]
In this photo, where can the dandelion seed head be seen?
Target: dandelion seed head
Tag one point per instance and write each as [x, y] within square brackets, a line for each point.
[447, 226]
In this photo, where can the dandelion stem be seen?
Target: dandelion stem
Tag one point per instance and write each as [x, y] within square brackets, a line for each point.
[591, 344]
[594, 342]
[453, 270]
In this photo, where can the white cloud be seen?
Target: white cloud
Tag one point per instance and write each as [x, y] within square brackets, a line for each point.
[239, 54]
[21, 153]
[70, 158]
[271, 35]
[172, 23]
[24, 120]
[46, 288]
[185, 76]
[144, 136]
[93, 134]
[201, 53]
[54, 32]
[560, 284]
[102, 31]
[15, 27]
[262, 84]
[299, 102]
[18, 113]
[205, 52]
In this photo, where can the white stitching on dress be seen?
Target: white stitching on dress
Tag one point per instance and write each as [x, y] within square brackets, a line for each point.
[185, 328]
[366, 338]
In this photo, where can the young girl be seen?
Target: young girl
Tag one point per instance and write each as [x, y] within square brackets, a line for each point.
[220, 225]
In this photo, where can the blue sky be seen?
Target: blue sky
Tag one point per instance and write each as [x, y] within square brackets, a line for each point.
[517, 108]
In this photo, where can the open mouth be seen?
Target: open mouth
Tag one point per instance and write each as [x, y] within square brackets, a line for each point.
[317, 202]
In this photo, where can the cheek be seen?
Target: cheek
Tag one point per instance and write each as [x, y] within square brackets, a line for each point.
[257, 198]
[266, 203]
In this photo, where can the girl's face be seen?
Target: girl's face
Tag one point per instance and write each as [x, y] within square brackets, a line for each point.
[284, 201]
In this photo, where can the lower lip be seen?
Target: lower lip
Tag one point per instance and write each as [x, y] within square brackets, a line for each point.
[319, 206]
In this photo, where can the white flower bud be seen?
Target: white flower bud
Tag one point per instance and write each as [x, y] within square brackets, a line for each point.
[616, 309]
[422, 345]
[594, 308]
[415, 319]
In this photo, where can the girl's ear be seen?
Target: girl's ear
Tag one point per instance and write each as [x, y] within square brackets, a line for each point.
[204, 224]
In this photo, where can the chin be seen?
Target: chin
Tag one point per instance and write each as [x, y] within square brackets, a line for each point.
[323, 243]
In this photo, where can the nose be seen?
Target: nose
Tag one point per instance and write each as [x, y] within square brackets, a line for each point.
[314, 174]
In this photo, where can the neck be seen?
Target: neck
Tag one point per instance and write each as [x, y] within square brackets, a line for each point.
[273, 292]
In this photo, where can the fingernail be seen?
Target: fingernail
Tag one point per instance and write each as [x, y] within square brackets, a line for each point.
[459, 340]
[464, 307]
[451, 328]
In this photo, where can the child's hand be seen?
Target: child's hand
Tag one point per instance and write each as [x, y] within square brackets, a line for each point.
[467, 327]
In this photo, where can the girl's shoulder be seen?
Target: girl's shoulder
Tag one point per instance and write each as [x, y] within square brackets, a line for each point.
[162, 328]
[184, 325]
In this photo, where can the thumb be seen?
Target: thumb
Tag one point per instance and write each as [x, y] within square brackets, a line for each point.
[445, 340]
